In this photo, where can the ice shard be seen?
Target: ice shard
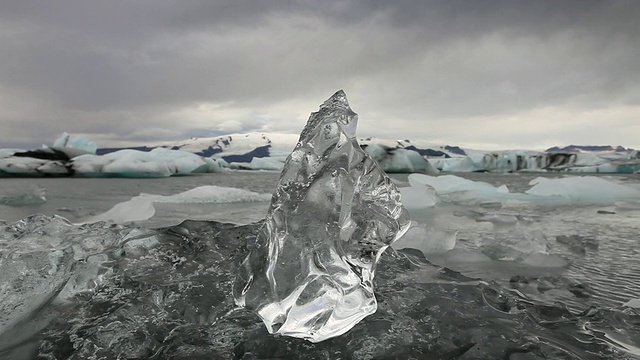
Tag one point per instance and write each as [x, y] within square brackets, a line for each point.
[309, 273]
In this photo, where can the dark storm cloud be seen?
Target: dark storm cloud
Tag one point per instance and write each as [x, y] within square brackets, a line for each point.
[162, 69]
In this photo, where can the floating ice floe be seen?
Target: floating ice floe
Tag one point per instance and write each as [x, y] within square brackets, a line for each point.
[140, 208]
[589, 189]
[419, 196]
[427, 239]
[512, 236]
[575, 189]
[310, 271]
[451, 188]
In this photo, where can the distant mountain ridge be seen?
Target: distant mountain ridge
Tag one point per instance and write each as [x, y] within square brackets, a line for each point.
[591, 148]
[268, 151]
[243, 148]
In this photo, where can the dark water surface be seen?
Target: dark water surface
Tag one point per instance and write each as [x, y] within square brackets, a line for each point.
[551, 284]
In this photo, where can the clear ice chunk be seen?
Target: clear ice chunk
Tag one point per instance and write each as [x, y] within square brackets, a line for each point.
[309, 273]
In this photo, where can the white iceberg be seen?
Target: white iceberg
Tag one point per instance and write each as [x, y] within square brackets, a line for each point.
[626, 161]
[159, 162]
[27, 166]
[75, 142]
[5, 153]
[400, 160]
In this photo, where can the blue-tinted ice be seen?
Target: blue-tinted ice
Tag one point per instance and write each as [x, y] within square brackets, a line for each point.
[310, 270]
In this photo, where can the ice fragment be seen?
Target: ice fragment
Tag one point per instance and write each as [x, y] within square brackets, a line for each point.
[310, 271]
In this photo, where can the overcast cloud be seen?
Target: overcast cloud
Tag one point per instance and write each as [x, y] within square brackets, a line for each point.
[485, 74]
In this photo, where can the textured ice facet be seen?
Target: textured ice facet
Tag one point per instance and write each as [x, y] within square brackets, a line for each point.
[310, 271]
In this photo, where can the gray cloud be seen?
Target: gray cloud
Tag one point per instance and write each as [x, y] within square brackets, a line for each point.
[162, 70]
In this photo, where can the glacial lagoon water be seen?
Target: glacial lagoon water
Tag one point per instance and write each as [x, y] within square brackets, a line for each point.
[493, 280]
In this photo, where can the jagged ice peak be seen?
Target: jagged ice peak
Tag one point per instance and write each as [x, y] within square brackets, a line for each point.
[309, 273]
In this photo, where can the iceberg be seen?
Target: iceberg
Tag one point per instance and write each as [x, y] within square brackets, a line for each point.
[5, 153]
[309, 273]
[75, 142]
[75, 155]
[159, 162]
[27, 166]
[400, 160]
[618, 161]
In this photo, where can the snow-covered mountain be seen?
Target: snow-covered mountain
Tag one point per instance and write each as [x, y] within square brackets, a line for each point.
[245, 147]
[587, 148]
[241, 147]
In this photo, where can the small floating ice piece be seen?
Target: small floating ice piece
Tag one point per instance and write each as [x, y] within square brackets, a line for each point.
[310, 271]
[34, 196]
[419, 197]
[429, 240]
[584, 189]
[445, 184]
[140, 208]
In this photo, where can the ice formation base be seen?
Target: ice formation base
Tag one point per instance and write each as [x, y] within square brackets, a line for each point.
[310, 270]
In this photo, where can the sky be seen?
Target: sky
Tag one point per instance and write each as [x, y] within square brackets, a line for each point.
[509, 74]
